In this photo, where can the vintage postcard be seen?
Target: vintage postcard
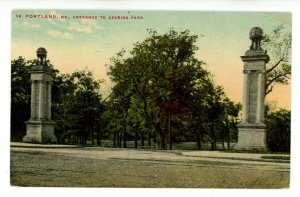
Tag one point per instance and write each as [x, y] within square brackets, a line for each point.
[150, 99]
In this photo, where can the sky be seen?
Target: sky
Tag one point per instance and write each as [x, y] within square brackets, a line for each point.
[74, 43]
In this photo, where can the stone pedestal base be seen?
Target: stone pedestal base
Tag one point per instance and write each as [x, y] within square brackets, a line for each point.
[252, 137]
[40, 132]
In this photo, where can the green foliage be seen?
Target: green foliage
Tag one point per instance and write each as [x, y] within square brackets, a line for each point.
[160, 73]
[167, 90]
[20, 97]
[279, 130]
[278, 45]
[78, 105]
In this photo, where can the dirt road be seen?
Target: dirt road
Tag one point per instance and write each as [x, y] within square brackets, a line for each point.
[98, 167]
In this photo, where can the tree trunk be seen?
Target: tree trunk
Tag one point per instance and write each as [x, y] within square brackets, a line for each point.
[212, 133]
[142, 138]
[124, 136]
[92, 136]
[154, 131]
[115, 136]
[64, 124]
[154, 137]
[170, 130]
[85, 140]
[149, 137]
[120, 139]
[223, 138]
[99, 133]
[135, 138]
[228, 136]
[163, 134]
[162, 144]
[158, 129]
[199, 145]
[99, 137]
[223, 143]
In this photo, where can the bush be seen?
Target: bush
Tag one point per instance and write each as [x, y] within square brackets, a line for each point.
[279, 130]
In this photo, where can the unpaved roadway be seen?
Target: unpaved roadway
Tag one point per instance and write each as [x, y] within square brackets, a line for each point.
[103, 167]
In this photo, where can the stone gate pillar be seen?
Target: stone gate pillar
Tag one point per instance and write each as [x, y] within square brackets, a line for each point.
[252, 129]
[40, 127]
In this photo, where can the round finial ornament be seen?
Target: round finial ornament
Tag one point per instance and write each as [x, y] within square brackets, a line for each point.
[256, 32]
[41, 54]
[256, 35]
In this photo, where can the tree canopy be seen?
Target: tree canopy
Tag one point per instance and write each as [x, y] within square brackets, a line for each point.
[163, 74]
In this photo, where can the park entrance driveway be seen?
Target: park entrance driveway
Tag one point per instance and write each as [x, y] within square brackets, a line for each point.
[103, 167]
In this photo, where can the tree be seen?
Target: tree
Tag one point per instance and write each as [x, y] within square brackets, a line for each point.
[279, 130]
[278, 44]
[161, 72]
[138, 122]
[62, 106]
[230, 121]
[87, 104]
[197, 117]
[20, 97]
[219, 114]
[215, 113]
[77, 107]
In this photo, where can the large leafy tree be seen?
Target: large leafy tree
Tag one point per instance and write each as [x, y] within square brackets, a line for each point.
[87, 104]
[216, 114]
[63, 100]
[197, 118]
[162, 72]
[230, 121]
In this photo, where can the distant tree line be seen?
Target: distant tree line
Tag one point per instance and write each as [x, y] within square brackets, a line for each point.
[162, 96]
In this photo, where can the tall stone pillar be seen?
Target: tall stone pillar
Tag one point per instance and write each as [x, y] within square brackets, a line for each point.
[40, 127]
[33, 100]
[246, 97]
[252, 129]
[49, 101]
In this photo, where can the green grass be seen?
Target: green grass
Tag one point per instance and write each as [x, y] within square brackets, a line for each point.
[279, 157]
[254, 151]
[179, 146]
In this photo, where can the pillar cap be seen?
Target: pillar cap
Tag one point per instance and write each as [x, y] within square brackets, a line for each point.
[255, 56]
[41, 52]
[40, 69]
[256, 32]
[251, 125]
